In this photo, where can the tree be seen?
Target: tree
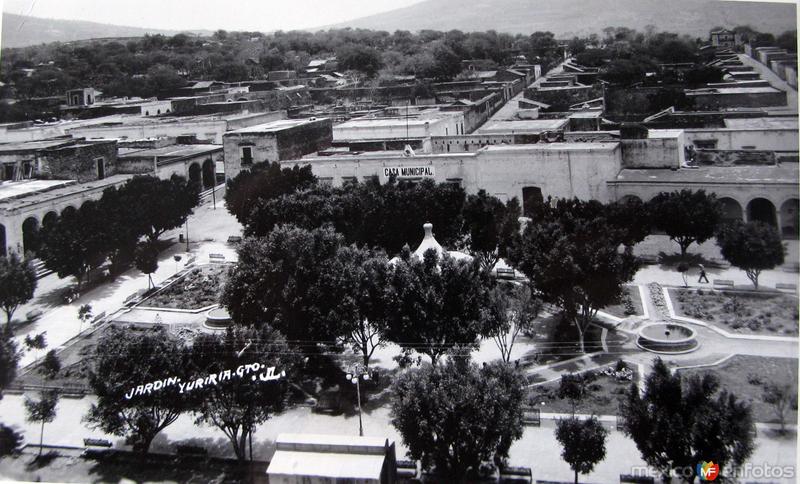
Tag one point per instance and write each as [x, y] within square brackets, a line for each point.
[17, 283]
[490, 226]
[752, 247]
[42, 410]
[85, 314]
[146, 260]
[454, 416]
[238, 404]
[155, 206]
[583, 442]
[51, 364]
[573, 387]
[676, 424]
[265, 181]
[37, 342]
[75, 242]
[686, 216]
[354, 286]
[512, 310]
[276, 282]
[782, 397]
[570, 252]
[130, 403]
[9, 357]
[437, 303]
[359, 57]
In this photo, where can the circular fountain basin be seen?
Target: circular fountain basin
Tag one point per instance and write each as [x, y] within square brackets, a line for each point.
[218, 318]
[670, 338]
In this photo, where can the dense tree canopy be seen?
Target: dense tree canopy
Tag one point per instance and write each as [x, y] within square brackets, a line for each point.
[676, 424]
[437, 303]
[277, 279]
[236, 405]
[387, 216]
[752, 247]
[571, 253]
[686, 216]
[455, 416]
[125, 361]
[265, 181]
[491, 226]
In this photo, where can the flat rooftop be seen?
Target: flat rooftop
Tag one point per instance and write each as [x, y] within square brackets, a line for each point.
[23, 146]
[731, 90]
[528, 126]
[171, 151]
[276, 126]
[784, 173]
[55, 192]
[591, 146]
[762, 123]
[365, 123]
[664, 133]
[21, 188]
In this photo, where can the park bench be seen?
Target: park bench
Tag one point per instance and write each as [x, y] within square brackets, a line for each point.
[191, 450]
[620, 422]
[98, 318]
[628, 478]
[406, 469]
[234, 239]
[723, 282]
[531, 416]
[216, 257]
[96, 443]
[515, 475]
[786, 287]
[505, 273]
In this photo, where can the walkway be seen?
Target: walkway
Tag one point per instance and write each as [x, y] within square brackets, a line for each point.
[60, 320]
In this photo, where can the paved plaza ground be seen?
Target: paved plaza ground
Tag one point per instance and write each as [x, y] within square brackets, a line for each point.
[537, 448]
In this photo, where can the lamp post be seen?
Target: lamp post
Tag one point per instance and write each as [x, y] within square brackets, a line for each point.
[355, 376]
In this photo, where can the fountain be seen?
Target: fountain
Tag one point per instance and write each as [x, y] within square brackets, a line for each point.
[218, 318]
[670, 338]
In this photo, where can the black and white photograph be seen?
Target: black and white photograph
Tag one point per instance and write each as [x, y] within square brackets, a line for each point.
[399, 241]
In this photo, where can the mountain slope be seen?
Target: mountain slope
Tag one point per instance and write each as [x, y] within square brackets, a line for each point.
[579, 17]
[21, 30]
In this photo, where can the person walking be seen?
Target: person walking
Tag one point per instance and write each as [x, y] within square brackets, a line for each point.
[703, 277]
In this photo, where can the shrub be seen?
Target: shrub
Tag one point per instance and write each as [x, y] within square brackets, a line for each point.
[754, 379]
[754, 324]
[621, 365]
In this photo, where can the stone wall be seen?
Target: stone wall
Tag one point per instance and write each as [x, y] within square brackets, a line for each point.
[79, 162]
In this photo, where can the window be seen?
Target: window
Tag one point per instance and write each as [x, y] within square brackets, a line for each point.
[748, 147]
[27, 170]
[247, 155]
[348, 179]
[454, 181]
[705, 144]
[8, 171]
[325, 180]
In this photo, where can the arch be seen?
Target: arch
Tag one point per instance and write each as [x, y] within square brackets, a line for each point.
[630, 198]
[158, 111]
[209, 173]
[69, 210]
[49, 218]
[731, 209]
[195, 176]
[30, 235]
[147, 113]
[3, 250]
[762, 210]
[789, 218]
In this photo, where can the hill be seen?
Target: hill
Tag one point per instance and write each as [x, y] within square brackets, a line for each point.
[22, 30]
[566, 18]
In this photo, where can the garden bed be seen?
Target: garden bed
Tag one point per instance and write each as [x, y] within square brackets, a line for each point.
[603, 395]
[630, 305]
[739, 312]
[199, 288]
[746, 376]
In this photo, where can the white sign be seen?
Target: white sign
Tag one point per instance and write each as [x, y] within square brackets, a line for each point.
[408, 171]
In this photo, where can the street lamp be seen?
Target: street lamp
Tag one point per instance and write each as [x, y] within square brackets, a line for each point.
[355, 376]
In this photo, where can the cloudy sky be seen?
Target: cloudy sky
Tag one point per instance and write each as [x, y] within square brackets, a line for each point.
[261, 15]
